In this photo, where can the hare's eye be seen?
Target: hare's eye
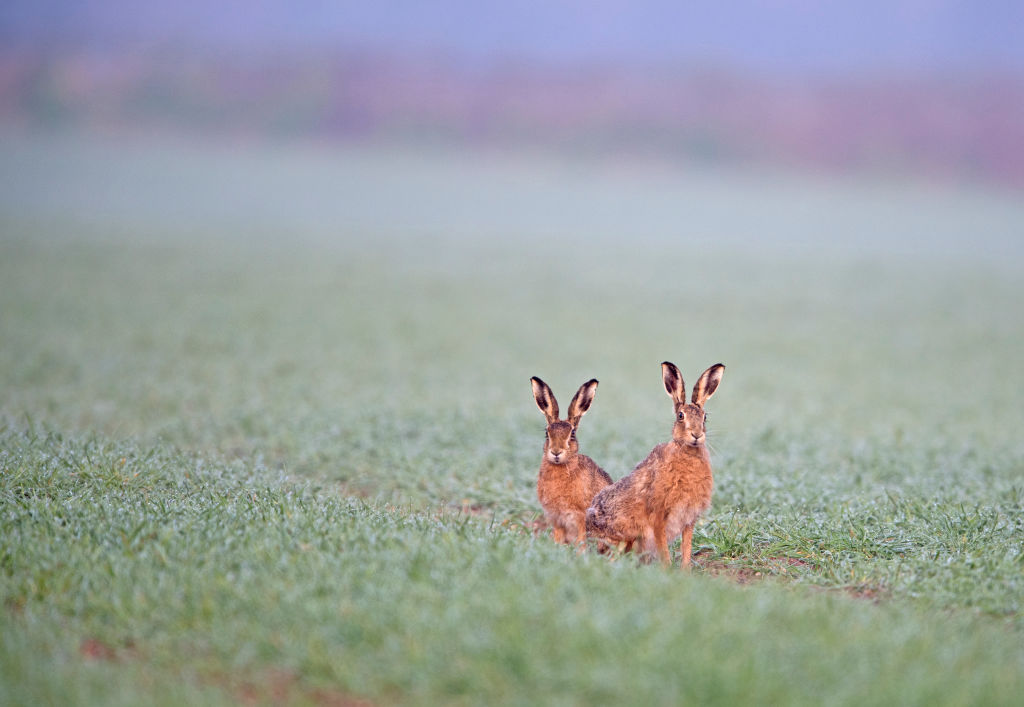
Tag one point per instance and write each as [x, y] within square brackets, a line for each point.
[705, 417]
[572, 435]
[680, 416]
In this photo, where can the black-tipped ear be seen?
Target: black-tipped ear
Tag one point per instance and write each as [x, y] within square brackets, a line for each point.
[674, 385]
[545, 399]
[581, 401]
[707, 384]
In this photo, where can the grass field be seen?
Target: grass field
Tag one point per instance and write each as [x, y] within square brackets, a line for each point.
[266, 430]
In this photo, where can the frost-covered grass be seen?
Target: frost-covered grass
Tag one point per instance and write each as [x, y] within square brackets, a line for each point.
[133, 574]
[298, 463]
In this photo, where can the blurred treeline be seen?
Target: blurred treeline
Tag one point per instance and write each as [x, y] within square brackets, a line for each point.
[969, 125]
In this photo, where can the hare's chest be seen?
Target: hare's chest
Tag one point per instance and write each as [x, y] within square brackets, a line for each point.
[559, 486]
[691, 496]
[679, 518]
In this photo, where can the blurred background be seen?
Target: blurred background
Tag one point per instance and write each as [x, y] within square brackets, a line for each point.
[289, 206]
[905, 88]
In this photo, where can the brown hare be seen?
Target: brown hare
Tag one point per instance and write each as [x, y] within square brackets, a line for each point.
[665, 494]
[567, 480]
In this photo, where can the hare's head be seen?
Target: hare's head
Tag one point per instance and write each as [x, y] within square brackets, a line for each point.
[560, 438]
[690, 417]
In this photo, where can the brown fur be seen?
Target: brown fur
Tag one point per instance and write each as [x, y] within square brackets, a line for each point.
[664, 495]
[568, 480]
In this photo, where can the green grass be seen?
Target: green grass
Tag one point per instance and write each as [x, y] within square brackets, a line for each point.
[217, 573]
[280, 444]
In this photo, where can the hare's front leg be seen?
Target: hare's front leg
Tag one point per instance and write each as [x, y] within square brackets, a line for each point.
[559, 533]
[581, 529]
[684, 547]
[648, 545]
[661, 543]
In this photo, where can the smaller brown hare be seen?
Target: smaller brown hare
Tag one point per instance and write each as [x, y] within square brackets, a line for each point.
[567, 480]
[665, 494]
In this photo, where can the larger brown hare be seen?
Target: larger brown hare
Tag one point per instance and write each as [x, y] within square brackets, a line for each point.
[567, 480]
[666, 492]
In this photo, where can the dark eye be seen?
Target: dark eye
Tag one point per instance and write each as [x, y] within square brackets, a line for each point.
[680, 416]
[705, 417]
[572, 435]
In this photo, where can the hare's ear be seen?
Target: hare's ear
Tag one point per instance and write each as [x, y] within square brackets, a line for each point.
[581, 401]
[707, 384]
[545, 399]
[674, 385]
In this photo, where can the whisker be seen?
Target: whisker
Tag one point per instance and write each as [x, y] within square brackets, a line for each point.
[709, 432]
